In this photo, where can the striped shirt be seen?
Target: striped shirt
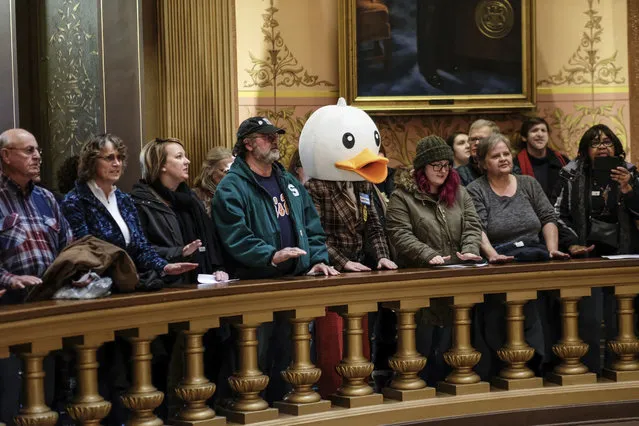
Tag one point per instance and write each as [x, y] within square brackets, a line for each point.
[32, 230]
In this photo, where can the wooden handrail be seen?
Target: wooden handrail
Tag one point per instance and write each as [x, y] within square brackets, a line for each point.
[35, 329]
[24, 323]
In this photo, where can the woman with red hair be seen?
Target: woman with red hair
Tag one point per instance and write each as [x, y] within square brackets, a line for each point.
[431, 220]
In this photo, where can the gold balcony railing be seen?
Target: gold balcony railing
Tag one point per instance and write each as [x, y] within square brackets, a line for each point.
[33, 330]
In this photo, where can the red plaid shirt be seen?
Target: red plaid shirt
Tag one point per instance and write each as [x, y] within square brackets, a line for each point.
[32, 230]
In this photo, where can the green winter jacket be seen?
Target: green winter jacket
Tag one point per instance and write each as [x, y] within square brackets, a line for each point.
[420, 228]
[246, 221]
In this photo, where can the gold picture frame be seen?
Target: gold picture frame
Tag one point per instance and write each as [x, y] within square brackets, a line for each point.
[438, 92]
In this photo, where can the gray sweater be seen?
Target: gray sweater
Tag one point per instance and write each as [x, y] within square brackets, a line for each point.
[516, 218]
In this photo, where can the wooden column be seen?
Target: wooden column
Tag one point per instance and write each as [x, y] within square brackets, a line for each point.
[302, 374]
[407, 362]
[354, 368]
[571, 348]
[195, 389]
[34, 411]
[197, 74]
[462, 357]
[516, 352]
[248, 381]
[88, 407]
[142, 398]
[626, 345]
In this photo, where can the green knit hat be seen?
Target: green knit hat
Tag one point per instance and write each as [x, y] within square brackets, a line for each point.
[430, 149]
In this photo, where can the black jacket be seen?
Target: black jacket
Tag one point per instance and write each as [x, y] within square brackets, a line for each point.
[159, 222]
[573, 212]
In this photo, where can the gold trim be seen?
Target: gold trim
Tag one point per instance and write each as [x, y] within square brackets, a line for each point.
[580, 90]
[386, 105]
[138, 18]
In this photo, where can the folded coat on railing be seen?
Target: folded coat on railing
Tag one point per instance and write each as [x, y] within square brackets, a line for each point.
[87, 254]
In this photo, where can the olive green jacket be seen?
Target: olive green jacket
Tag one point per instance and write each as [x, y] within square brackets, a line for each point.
[420, 228]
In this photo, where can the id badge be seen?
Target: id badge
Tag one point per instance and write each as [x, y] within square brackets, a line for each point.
[364, 199]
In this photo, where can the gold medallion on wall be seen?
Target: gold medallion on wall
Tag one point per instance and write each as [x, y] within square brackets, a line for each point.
[494, 18]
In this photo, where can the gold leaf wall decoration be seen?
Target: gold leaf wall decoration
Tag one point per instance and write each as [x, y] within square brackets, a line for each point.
[586, 66]
[568, 127]
[280, 68]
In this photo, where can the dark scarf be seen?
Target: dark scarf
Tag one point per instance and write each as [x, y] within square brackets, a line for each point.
[194, 224]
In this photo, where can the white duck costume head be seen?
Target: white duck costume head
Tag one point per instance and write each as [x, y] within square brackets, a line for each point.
[341, 143]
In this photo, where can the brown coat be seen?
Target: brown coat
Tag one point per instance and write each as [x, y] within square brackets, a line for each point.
[87, 253]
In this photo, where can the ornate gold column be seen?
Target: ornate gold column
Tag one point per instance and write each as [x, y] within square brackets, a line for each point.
[626, 345]
[354, 368]
[407, 362]
[88, 407]
[462, 357]
[516, 352]
[142, 398]
[571, 348]
[302, 374]
[34, 411]
[248, 381]
[197, 74]
[195, 389]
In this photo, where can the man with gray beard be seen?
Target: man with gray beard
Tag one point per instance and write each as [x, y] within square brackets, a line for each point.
[268, 227]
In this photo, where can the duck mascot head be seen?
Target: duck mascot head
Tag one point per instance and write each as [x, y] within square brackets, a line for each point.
[341, 143]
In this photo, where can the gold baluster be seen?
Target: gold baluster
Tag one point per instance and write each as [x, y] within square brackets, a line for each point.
[302, 374]
[626, 345]
[571, 348]
[247, 406]
[407, 362]
[516, 352]
[34, 411]
[142, 398]
[88, 407]
[354, 368]
[462, 357]
[195, 389]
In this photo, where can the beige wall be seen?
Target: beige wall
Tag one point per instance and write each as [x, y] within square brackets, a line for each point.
[582, 71]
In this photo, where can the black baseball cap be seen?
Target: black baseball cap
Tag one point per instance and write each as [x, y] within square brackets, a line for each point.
[257, 125]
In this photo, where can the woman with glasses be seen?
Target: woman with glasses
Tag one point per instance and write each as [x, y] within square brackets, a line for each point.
[430, 221]
[598, 203]
[172, 217]
[97, 207]
[514, 212]
[216, 165]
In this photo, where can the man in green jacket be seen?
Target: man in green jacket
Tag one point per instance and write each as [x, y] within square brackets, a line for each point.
[268, 227]
[266, 220]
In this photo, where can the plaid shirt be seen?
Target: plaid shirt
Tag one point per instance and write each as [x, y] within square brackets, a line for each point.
[32, 230]
[345, 229]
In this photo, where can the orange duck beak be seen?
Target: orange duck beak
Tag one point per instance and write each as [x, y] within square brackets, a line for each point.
[366, 164]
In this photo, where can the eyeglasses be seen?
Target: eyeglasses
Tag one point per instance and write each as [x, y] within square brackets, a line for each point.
[597, 143]
[111, 158]
[29, 151]
[271, 137]
[438, 167]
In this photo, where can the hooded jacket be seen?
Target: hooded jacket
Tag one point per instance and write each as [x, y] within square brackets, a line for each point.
[246, 221]
[419, 227]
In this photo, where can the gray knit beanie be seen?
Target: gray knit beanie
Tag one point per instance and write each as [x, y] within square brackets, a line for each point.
[430, 149]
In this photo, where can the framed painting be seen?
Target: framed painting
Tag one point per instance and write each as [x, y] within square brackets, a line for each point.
[418, 56]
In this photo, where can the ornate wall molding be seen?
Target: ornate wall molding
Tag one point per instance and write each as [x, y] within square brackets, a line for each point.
[280, 67]
[73, 76]
[585, 65]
